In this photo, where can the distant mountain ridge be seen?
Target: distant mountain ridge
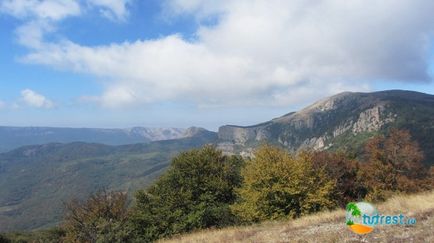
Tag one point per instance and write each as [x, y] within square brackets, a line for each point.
[14, 137]
[344, 120]
[39, 178]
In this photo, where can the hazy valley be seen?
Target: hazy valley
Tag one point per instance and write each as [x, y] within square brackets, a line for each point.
[14, 137]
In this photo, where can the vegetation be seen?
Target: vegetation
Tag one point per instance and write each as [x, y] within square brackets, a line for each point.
[103, 217]
[195, 193]
[279, 185]
[205, 189]
[52, 235]
[346, 173]
[394, 164]
[40, 178]
[329, 226]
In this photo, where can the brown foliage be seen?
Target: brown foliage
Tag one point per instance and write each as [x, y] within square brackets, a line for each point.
[345, 171]
[394, 163]
[102, 215]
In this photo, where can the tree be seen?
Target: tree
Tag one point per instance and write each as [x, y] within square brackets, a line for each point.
[394, 163]
[101, 218]
[194, 193]
[279, 185]
[349, 186]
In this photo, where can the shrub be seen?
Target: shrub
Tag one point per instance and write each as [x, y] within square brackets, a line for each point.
[51, 235]
[394, 163]
[101, 218]
[194, 193]
[279, 185]
[349, 185]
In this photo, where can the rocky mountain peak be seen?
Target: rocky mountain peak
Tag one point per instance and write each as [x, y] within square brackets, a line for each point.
[193, 131]
[333, 120]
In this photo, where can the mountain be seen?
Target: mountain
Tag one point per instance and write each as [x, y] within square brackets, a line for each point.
[344, 121]
[36, 180]
[14, 137]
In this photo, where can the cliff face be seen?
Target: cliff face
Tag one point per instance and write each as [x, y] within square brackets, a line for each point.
[241, 135]
[336, 121]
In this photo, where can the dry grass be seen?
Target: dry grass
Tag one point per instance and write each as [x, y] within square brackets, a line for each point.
[416, 203]
[330, 226]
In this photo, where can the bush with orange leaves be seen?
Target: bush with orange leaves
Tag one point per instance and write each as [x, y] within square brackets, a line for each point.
[394, 164]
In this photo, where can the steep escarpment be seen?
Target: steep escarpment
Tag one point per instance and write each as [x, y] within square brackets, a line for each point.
[343, 120]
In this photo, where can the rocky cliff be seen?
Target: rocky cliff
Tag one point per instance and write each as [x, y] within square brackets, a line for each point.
[338, 121]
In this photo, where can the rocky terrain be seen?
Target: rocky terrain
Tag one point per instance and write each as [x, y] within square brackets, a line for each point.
[343, 120]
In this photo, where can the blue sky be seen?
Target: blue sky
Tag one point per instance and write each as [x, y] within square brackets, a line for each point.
[179, 63]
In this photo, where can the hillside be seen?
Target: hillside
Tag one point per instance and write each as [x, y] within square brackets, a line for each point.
[35, 181]
[343, 121]
[330, 226]
[14, 137]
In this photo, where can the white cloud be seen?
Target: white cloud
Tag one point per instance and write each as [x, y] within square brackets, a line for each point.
[41, 9]
[2, 104]
[59, 9]
[202, 10]
[261, 52]
[112, 9]
[41, 16]
[33, 99]
[31, 34]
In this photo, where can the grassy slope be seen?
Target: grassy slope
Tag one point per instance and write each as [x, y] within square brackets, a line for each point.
[330, 226]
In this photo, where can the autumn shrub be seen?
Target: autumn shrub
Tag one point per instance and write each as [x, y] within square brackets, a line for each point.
[394, 163]
[346, 171]
[279, 185]
[103, 217]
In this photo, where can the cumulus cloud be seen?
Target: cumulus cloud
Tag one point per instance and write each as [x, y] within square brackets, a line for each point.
[41, 16]
[33, 99]
[260, 52]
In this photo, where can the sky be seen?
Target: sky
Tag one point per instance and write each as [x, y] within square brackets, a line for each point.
[182, 63]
